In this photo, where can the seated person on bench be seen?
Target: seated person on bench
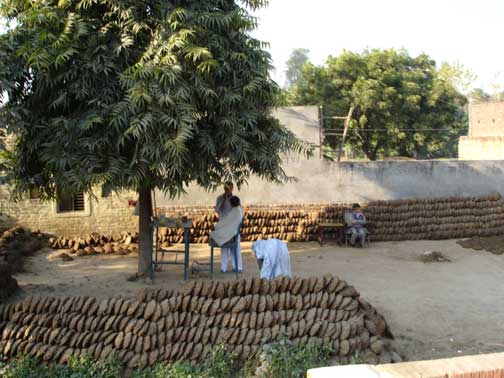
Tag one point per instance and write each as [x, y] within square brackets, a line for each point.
[225, 230]
[356, 221]
[273, 258]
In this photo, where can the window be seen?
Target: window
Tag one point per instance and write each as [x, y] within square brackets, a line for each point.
[71, 203]
[106, 190]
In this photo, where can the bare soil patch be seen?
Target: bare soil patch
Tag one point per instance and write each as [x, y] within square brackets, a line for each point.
[434, 310]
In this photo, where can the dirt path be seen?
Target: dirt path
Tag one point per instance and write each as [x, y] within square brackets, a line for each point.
[435, 310]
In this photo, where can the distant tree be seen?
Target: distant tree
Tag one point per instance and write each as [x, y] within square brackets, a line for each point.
[294, 65]
[479, 95]
[461, 78]
[402, 105]
[496, 88]
[283, 97]
[138, 95]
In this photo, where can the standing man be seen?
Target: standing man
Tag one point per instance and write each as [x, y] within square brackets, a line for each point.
[223, 207]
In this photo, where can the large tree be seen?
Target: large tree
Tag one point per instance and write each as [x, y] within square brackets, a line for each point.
[294, 66]
[402, 106]
[138, 95]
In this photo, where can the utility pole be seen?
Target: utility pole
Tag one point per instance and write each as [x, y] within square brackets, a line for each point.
[345, 132]
[321, 130]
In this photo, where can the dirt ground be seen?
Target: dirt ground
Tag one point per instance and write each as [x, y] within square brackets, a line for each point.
[434, 309]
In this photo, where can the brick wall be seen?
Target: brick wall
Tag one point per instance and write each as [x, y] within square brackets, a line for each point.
[486, 119]
[481, 148]
[486, 133]
[330, 182]
[104, 215]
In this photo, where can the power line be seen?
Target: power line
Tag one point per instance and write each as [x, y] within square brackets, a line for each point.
[385, 131]
[391, 130]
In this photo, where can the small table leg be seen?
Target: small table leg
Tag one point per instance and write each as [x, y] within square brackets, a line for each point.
[211, 259]
[186, 252]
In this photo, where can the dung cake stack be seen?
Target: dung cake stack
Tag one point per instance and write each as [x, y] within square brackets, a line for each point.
[166, 325]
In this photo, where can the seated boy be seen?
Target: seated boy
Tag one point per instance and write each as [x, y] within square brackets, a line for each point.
[356, 221]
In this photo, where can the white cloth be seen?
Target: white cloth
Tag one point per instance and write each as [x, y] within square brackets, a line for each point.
[275, 256]
[227, 226]
[227, 254]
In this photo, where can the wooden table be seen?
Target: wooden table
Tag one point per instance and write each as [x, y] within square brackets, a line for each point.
[338, 228]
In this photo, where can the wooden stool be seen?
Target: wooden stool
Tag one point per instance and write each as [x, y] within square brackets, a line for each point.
[338, 228]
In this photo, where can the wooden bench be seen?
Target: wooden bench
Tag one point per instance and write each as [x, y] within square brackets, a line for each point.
[337, 228]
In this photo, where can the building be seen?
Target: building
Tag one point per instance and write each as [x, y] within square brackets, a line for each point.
[486, 133]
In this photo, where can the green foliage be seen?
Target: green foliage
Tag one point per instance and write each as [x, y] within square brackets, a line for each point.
[479, 95]
[403, 106]
[135, 93]
[285, 360]
[220, 364]
[295, 63]
[175, 370]
[458, 75]
[83, 367]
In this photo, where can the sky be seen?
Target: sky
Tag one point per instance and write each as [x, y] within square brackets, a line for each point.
[468, 31]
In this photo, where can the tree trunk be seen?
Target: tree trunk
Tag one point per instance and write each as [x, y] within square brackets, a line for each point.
[367, 148]
[145, 232]
[369, 152]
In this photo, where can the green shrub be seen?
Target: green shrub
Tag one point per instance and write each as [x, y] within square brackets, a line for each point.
[82, 367]
[162, 370]
[220, 364]
[24, 367]
[282, 359]
[86, 366]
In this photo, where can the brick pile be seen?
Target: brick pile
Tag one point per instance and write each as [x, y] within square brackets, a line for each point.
[96, 244]
[8, 284]
[166, 325]
[411, 219]
[16, 244]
